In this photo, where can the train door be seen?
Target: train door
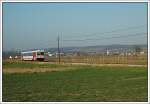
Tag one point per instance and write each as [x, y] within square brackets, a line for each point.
[34, 55]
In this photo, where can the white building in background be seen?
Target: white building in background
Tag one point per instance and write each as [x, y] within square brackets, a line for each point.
[129, 54]
[122, 54]
[10, 57]
[50, 54]
[142, 52]
[107, 52]
[16, 57]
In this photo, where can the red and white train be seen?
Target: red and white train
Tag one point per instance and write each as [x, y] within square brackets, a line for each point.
[33, 55]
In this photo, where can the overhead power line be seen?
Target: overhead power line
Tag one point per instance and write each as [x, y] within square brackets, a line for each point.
[128, 35]
[116, 30]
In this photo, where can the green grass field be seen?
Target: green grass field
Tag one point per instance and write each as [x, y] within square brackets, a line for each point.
[29, 64]
[86, 83]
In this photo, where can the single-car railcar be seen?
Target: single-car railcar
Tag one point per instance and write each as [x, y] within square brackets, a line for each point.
[33, 55]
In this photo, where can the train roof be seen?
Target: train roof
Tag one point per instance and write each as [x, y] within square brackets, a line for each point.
[33, 51]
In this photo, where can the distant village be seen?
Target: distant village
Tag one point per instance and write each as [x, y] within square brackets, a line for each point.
[88, 51]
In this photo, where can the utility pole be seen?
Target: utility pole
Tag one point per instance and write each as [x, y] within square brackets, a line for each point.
[58, 50]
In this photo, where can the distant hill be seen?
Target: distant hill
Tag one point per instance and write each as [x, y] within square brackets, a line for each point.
[97, 48]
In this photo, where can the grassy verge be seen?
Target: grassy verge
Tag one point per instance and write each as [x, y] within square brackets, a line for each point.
[31, 64]
[84, 84]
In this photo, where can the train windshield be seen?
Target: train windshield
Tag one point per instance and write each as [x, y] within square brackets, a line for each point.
[40, 53]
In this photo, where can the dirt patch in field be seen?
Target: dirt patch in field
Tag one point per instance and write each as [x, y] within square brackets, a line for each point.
[137, 78]
[32, 70]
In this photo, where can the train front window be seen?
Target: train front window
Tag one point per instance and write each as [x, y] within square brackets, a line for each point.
[42, 53]
[38, 53]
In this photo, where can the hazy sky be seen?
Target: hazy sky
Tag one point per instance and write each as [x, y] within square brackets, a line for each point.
[37, 25]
